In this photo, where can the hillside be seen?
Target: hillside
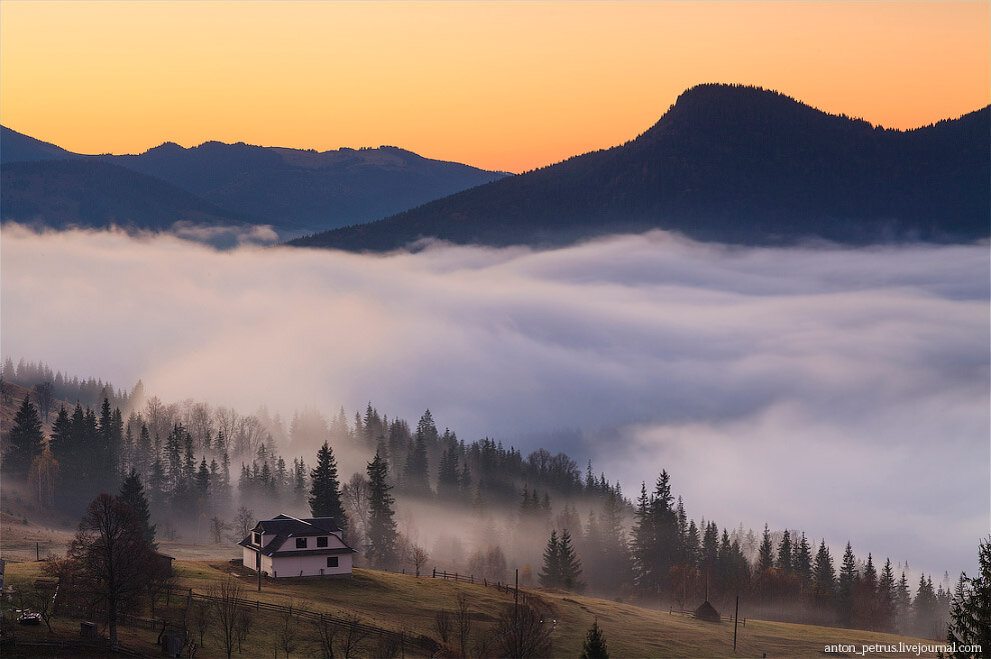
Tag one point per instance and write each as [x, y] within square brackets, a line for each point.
[18, 147]
[298, 191]
[727, 163]
[295, 191]
[406, 603]
[59, 194]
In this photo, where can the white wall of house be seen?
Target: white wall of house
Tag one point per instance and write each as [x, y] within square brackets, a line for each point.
[306, 566]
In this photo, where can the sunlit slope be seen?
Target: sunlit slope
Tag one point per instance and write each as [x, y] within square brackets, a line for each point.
[400, 601]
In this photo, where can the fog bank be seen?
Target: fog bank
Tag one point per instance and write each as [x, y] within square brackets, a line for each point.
[840, 391]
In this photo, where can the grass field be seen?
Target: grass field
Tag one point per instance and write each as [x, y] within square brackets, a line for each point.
[408, 603]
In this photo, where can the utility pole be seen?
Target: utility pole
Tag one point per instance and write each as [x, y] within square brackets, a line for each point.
[736, 621]
[258, 569]
[516, 597]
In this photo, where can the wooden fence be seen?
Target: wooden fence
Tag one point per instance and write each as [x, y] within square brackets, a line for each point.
[524, 596]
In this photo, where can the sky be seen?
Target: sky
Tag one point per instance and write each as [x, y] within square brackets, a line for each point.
[842, 392]
[839, 391]
[501, 85]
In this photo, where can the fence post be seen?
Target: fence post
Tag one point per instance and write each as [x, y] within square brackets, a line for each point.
[435, 573]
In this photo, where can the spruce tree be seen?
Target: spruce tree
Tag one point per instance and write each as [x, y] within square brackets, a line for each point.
[924, 607]
[802, 562]
[325, 489]
[26, 439]
[886, 597]
[970, 612]
[550, 573]
[848, 581]
[570, 563]
[784, 553]
[381, 524]
[415, 478]
[132, 492]
[595, 643]
[823, 577]
[765, 555]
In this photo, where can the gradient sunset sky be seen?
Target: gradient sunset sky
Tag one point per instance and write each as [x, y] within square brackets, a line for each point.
[508, 86]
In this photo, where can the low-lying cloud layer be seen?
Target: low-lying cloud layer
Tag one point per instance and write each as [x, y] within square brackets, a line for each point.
[840, 391]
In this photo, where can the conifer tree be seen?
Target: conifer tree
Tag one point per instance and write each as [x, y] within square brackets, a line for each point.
[802, 562]
[970, 611]
[845, 592]
[595, 643]
[325, 489]
[26, 440]
[202, 480]
[570, 563]
[58, 440]
[765, 555]
[642, 541]
[886, 597]
[550, 574]
[823, 577]
[784, 553]
[903, 604]
[381, 525]
[924, 607]
[132, 492]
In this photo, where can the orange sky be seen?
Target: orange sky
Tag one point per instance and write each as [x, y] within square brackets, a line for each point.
[507, 86]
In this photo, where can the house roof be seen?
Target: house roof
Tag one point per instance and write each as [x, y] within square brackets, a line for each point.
[294, 527]
[279, 529]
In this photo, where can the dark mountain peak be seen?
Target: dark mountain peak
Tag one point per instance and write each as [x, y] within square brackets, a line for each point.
[165, 148]
[728, 163]
[18, 147]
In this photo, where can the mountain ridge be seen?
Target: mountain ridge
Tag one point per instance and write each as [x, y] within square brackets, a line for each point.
[295, 191]
[734, 164]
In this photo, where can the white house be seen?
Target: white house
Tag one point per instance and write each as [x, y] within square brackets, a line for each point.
[289, 547]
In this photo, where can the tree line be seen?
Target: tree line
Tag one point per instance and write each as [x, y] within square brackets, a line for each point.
[179, 460]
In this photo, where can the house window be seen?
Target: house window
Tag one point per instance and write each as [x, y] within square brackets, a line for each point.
[322, 542]
[332, 561]
[300, 543]
[256, 538]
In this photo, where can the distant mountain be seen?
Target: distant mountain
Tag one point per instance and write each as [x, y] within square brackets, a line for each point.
[17, 147]
[89, 193]
[299, 191]
[727, 163]
[295, 191]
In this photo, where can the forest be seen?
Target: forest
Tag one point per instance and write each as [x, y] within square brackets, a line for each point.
[411, 496]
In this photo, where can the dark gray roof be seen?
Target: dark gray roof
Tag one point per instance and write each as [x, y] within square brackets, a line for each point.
[293, 527]
[281, 528]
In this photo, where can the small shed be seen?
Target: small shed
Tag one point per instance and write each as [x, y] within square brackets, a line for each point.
[707, 612]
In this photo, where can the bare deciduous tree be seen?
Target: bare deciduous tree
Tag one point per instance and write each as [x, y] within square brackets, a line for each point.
[201, 617]
[326, 631]
[354, 496]
[462, 619]
[243, 522]
[287, 632]
[354, 634]
[522, 633]
[217, 529]
[419, 557]
[242, 626]
[442, 621]
[228, 609]
[113, 556]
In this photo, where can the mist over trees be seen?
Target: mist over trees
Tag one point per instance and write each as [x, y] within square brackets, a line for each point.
[418, 497]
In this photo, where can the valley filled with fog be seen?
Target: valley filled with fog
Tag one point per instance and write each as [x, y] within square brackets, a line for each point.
[840, 389]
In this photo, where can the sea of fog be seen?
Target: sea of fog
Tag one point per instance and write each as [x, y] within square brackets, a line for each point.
[843, 392]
